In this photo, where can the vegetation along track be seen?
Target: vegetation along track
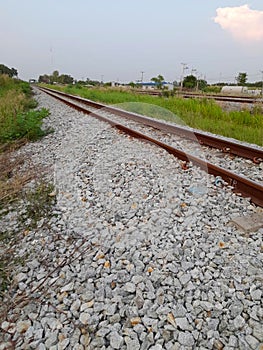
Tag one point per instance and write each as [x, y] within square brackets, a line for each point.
[216, 97]
[240, 184]
[225, 98]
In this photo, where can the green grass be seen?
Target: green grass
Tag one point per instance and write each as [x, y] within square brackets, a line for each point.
[17, 118]
[201, 114]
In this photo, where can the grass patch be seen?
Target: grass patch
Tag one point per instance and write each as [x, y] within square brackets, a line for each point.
[23, 125]
[202, 114]
[17, 119]
[12, 179]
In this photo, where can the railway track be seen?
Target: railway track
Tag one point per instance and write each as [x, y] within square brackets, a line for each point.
[240, 184]
[224, 98]
[216, 97]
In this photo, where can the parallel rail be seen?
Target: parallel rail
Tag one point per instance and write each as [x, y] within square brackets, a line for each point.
[240, 184]
[225, 146]
[225, 98]
[216, 97]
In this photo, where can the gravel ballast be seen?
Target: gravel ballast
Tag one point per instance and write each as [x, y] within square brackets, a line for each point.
[137, 254]
[238, 165]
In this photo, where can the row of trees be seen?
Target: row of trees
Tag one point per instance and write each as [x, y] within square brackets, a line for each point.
[55, 77]
[189, 82]
[90, 82]
[192, 82]
[11, 72]
[241, 80]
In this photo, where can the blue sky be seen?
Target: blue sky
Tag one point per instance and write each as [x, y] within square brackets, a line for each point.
[120, 38]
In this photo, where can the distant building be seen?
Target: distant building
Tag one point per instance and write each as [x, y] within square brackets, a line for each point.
[153, 86]
[32, 81]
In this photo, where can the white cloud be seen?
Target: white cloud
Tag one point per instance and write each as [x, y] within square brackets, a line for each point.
[242, 22]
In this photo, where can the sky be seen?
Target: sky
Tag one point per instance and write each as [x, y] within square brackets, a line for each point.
[116, 40]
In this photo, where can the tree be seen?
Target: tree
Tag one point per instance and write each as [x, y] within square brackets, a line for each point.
[93, 82]
[132, 84]
[54, 77]
[14, 72]
[241, 79]
[44, 79]
[159, 80]
[65, 79]
[201, 84]
[11, 72]
[190, 82]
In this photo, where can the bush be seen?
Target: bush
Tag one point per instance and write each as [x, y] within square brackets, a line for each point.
[212, 89]
[17, 119]
[24, 125]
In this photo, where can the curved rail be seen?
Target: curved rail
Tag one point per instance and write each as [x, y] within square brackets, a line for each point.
[226, 146]
[240, 184]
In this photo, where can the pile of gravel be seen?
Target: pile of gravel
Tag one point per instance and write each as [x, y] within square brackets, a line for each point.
[138, 253]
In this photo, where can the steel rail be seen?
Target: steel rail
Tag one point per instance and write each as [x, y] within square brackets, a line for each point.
[226, 146]
[239, 184]
[237, 99]
[226, 98]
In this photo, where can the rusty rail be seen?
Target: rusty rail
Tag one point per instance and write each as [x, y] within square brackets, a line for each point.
[240, 184]
[226, 98]
[226, 146]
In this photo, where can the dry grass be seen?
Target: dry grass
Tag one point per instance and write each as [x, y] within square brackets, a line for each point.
[11, 180]
[36, 202]
[11, 104]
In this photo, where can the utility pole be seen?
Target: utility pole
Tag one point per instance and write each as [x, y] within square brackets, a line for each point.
[142, 76]
[184, 67]
[262, 84]
[199, 77]
[192, 73]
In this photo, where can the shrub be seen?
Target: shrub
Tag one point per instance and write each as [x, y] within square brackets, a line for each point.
[17, 119]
